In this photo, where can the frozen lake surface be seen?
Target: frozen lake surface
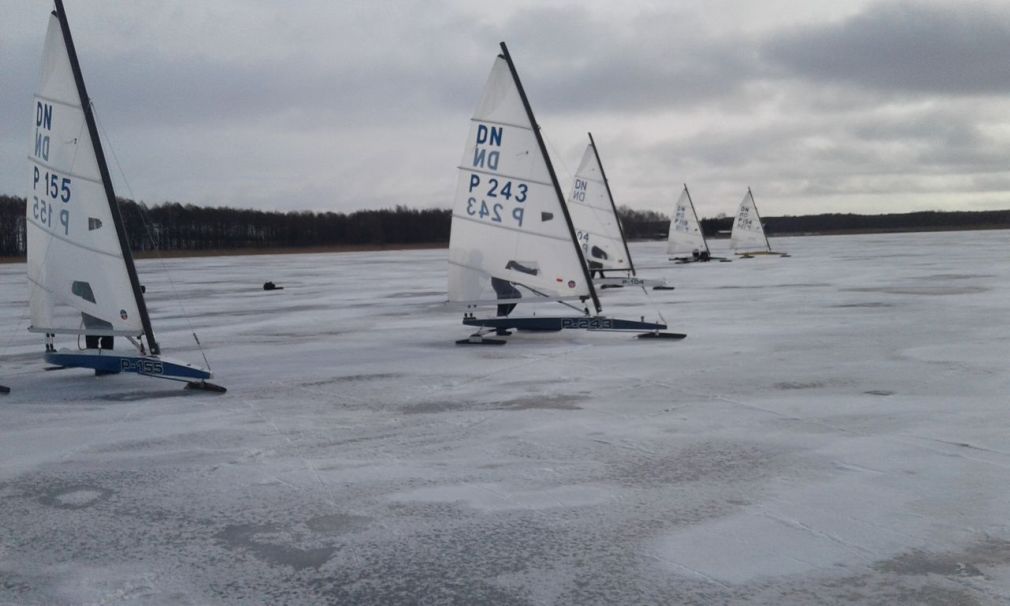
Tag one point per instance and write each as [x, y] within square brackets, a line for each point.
[834, 429]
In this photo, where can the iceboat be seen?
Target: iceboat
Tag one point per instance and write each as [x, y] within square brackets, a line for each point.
[748, 237]
[598, 229]
[512, 241]
[81, 274]
[685, 242]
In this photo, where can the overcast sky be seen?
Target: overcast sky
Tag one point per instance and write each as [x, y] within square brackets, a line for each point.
[844, 106]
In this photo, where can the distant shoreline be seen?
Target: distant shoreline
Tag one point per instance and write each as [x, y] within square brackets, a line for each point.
[856, 232]
[348, 248]
[292, 250]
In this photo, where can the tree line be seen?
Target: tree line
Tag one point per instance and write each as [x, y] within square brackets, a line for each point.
[652, 225]
[185, 227]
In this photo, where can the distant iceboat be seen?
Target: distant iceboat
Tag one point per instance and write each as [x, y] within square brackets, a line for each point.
[512, 241]
[748, 236]
[83, 281]
[598, 228]
[685, 242]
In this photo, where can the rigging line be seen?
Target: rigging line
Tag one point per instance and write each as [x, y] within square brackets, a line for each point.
[537, 292]
[145, 219]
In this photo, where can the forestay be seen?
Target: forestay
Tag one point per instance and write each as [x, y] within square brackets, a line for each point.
[510, 239]
[748, 234]
[596, 224]
[76, 269]
[685, 236]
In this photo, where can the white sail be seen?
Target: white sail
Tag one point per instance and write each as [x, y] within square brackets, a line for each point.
[510, 238]
[748, 234]
[592, 211]
[78, 277]
[685, 236]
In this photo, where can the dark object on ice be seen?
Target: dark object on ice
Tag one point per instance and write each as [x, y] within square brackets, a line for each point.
[675, 336]
[143, 288]
[4, 389]
[205, 386]
[477, 339]
[271, 286]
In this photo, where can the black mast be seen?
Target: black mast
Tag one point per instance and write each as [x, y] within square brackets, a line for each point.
[758, 215]
[693, 212]
[620, 228]
[103, 168]
[554, 177]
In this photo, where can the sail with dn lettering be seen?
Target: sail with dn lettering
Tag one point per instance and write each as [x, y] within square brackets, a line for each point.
[512, 241]
[748, 235]
[598, 228]
[82, 279]
[594, 215]
[686, 242]
[511, 237]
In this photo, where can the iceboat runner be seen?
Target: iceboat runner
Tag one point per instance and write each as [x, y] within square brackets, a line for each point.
[81, 274]
[748, 237]
[598, 229]
[512, 239]
[686, 242]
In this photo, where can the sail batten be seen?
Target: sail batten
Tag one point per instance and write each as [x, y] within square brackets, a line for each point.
[68, 104]
[70, 242]
[510, 228]
[507, 176]
[71, 174]
[499, 123]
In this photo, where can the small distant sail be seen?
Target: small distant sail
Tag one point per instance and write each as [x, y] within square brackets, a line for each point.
[511, 239]
[685, 237]
[748, 234]
[78, 276]
[594, 216]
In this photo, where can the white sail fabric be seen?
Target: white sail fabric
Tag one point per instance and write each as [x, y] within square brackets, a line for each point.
[77, 274]
[509, 237]
[685, 237]
[592, 212]
[748, 234]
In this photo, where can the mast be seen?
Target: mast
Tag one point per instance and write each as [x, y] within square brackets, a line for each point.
[554, 177]
[755, 204]
[606, 183]
[693, 212]
[110, 194]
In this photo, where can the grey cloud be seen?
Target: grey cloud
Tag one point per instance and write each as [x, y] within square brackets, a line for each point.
[575, 61]
[914, 47]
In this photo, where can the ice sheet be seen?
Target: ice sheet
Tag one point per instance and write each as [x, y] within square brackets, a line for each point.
[833, 430]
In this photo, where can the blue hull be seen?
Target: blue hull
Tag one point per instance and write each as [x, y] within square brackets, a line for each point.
[107, 362]
[548, 324]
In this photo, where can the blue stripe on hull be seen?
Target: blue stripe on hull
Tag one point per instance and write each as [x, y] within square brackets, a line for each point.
[142, 365]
